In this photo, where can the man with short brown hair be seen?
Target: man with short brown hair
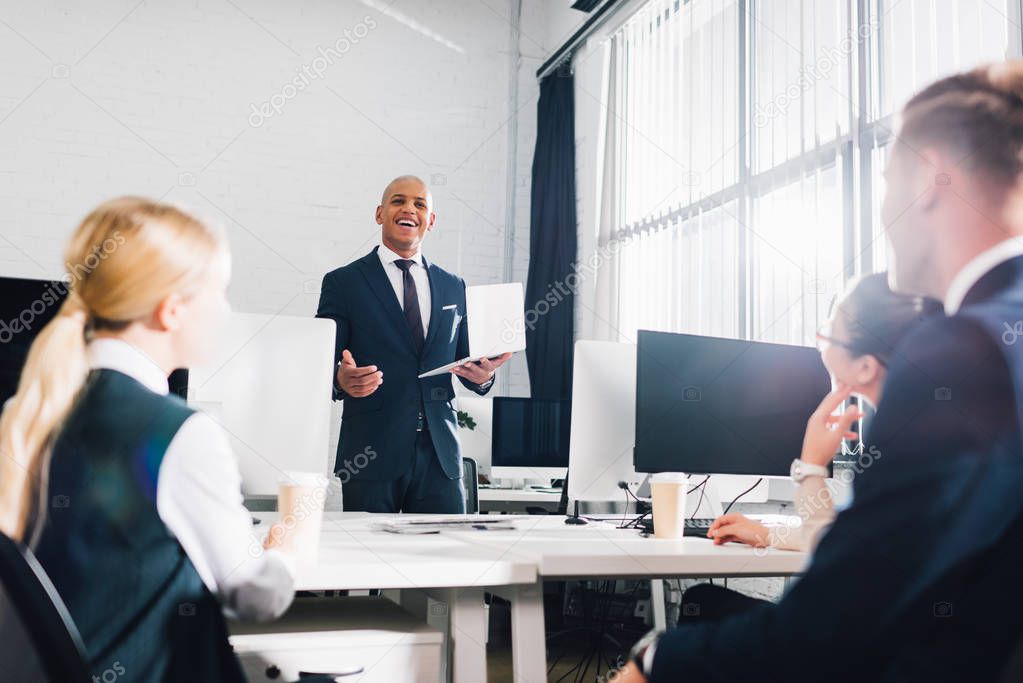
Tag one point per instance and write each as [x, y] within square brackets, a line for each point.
[918, 579]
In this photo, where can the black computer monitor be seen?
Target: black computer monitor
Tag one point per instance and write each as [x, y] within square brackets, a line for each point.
[530, 438]
[706, 405]
[26, 306]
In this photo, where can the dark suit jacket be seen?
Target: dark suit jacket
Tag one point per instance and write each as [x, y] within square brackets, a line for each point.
[918, 580]
[378, 432]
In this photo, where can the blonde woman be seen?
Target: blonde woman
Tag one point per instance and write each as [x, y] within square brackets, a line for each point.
[129, 498]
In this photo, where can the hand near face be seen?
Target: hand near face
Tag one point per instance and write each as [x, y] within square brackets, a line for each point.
[825, 430]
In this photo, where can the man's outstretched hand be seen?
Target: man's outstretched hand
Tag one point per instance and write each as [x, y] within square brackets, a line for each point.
[355, 381]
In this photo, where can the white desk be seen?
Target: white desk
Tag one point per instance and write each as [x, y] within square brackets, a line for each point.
[563, 552]
[353, 556]
[457, 567]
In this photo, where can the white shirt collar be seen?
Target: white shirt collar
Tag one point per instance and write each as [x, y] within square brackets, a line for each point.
[981, 264]
[388, 256]
[119, 355]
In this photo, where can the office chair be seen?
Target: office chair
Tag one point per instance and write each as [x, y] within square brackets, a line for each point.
[470, 480]
[35, 623]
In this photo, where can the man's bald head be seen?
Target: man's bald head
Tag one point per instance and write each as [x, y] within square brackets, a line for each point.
[407, 182]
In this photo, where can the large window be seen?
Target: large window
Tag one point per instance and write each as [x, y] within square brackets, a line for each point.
[749, 137]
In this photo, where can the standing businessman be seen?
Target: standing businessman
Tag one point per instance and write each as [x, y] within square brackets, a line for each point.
[399, 315]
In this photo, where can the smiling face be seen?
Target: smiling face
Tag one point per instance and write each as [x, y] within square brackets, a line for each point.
[405, 215]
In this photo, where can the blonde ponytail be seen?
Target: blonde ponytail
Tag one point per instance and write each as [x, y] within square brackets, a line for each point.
[125, 257]
[53, 374]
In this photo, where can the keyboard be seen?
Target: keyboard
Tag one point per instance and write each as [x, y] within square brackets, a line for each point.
[698, 526]
[695, 526]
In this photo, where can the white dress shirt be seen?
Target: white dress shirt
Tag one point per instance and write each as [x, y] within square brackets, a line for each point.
[198, 497]
[422, 280]
[981, 264]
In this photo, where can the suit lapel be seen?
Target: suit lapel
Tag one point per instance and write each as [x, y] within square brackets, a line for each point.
[375, 276]
[435, 302]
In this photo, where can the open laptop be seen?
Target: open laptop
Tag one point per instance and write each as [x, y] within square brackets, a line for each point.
[496, 320]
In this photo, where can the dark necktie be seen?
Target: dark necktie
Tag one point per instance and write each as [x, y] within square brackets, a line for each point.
[410, 300]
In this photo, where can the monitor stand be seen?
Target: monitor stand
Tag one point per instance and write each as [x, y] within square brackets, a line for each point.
[574, 519]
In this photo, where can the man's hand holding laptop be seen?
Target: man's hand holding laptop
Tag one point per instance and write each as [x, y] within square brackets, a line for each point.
[482, 371]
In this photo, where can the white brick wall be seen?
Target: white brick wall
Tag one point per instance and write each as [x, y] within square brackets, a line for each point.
[156, 98]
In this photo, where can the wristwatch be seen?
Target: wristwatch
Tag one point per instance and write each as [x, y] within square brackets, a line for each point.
[642, 652]
[801, 470]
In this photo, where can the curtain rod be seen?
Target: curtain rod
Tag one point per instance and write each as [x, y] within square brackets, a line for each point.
[565, 51]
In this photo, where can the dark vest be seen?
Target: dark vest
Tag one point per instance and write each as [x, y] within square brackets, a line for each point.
[143, 612]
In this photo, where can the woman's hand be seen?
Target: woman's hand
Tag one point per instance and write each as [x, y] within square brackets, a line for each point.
[736, 527]
[275, 537]
[825, 431]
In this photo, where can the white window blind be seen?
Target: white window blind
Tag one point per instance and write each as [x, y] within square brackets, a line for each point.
[749, 141]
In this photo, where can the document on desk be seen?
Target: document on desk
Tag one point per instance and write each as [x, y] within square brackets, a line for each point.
[496, 321]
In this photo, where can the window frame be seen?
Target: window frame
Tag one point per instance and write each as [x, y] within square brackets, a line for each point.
[854, 150]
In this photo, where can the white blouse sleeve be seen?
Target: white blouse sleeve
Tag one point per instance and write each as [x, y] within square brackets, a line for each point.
[816, 511]
[198, 497]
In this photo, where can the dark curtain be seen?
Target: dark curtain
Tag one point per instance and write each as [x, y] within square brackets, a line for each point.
[550, 299]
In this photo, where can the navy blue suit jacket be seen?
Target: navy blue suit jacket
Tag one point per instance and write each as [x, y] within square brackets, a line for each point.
[918, 580]
[378, 432]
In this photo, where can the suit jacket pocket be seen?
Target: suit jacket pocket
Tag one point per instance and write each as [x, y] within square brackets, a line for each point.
[367, 404]
[449, 322]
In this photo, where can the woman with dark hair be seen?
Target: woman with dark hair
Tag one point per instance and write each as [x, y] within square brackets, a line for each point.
[856, 345]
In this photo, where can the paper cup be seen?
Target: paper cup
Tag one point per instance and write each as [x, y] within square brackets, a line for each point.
[668, 490]
[300, 499]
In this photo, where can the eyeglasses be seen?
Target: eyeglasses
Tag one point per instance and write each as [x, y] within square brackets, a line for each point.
[825, 338]
[824, 341]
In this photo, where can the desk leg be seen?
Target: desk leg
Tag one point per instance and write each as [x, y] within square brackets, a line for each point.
[529, 643]
[466, 634]
[657, 604]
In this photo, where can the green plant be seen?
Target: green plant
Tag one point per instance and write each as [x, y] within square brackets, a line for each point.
[465, 420]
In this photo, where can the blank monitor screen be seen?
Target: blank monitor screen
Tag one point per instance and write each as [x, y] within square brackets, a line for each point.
[530, 432]
[706, 405]
[26, 306]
